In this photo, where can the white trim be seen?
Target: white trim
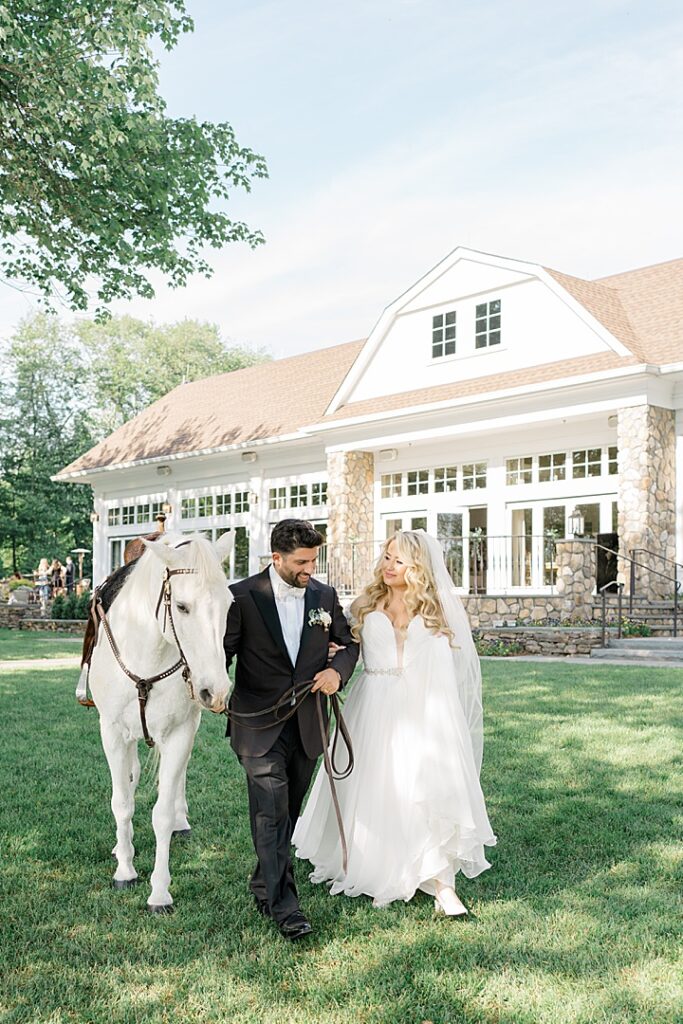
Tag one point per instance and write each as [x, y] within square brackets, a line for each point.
[394, 309]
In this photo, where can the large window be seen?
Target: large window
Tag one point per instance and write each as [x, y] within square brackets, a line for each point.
[487, 324]
[241, 501]
[443, 335]
[223, 504]
[128, 515]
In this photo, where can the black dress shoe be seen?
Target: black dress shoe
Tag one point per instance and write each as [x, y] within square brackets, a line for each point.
[295, 927]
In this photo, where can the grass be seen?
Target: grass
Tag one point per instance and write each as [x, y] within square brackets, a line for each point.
[18, 644]
[578, 922]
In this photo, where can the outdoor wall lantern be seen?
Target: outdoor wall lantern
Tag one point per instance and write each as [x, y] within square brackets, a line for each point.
[163, 470]
[166, 508]
[249, 456]
[253, 498]
[576, 524]
[94, 517]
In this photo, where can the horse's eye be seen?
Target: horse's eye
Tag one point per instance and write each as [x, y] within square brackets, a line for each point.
[182, 608]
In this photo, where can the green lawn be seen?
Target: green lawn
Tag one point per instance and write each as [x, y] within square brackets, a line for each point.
[580, 920]
[17, 644]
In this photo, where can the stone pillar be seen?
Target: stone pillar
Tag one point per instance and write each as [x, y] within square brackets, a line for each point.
[575, 577]
[647, 493]
[350, 528]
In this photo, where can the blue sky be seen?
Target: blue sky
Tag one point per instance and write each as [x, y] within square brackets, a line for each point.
[396, 130]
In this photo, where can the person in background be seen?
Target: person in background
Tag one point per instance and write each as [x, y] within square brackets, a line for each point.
[69, 574]
[42, 575]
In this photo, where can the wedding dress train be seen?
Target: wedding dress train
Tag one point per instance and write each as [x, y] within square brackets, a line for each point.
[413, 808]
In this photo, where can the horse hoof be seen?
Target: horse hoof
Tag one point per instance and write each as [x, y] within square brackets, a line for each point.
[125, 883]
[163, 908]
[182, 832]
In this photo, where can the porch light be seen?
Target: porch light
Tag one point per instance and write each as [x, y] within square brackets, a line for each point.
[576, 524]
[253, 498]
[388, 454]
[167, 508]
[94, 517]
[163, 470]
[249, 456]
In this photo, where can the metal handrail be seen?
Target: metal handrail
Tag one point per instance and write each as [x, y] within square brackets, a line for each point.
[662, 558]
[633, 563]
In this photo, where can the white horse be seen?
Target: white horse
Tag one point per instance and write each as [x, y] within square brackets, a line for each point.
[151, 637]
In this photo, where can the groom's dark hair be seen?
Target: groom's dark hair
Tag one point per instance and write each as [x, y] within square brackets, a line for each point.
[290, 534]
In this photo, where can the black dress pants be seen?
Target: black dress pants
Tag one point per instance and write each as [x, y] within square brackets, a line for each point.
[277, 783]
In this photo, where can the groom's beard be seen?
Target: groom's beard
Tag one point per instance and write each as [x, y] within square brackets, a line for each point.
[295, 579]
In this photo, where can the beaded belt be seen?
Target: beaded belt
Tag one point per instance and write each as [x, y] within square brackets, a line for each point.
[384, 671]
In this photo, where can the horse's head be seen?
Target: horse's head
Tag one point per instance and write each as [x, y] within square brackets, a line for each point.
[199, 602]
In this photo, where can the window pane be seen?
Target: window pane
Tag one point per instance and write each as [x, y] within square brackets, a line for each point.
[481, 309]
[494, 338]
[450, 333]
[437, 321]
[494, 307]
[450, 318]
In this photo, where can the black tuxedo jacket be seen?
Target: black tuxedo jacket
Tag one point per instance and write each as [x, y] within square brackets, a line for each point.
[264, 671]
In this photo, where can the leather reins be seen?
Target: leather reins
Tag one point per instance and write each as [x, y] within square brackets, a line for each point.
[292, 699]
[144, 685]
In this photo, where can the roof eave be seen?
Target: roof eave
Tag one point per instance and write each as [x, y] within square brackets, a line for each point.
[487, 396]
[79, 475]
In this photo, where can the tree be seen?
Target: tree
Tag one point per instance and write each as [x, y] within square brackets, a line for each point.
[131, 363]
[42, 427]
[97, 183]
[63, 388]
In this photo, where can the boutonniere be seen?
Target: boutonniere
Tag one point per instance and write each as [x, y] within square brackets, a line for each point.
[319, 617]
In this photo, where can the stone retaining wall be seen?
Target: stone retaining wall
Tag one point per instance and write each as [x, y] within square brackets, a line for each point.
[497, 611]
[545, 639]
[53, 625]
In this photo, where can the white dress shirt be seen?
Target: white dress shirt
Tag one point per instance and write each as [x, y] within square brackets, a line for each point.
[289, 602]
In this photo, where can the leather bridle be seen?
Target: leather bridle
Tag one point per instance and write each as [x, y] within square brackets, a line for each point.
[144, 685]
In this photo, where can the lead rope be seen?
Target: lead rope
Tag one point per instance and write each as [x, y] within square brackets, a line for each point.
[292, 699]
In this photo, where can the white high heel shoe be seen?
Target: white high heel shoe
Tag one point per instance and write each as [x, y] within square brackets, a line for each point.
[447, 902]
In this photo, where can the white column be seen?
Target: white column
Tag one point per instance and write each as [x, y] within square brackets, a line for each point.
[100, 554]
[259, 539]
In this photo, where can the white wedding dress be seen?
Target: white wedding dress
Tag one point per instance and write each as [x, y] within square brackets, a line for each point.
[413, 808]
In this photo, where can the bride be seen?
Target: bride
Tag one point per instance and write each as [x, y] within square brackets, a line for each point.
[413, 809]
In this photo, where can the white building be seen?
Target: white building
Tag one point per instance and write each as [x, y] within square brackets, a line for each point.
[489, 401]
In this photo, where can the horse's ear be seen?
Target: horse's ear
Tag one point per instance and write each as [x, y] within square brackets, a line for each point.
[225, 544]
[162, 551]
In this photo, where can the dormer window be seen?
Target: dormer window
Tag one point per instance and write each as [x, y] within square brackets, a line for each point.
[487, 326]
[443, 335]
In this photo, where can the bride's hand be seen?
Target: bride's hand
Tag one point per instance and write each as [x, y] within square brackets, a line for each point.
[333, 648]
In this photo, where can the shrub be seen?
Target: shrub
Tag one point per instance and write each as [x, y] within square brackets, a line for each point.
[58, 607]
[632, 627]
[82, 609]
[497, 648]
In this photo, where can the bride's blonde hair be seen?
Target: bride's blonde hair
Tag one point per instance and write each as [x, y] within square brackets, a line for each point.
[421, 596]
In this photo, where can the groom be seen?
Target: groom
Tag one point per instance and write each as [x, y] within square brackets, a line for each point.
[279, 627]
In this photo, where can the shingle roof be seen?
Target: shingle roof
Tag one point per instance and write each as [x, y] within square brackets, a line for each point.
[481, 385]
[267, 400]
[641, 308]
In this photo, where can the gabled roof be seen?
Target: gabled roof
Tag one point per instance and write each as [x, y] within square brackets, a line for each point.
[264, 401]
[641, 309]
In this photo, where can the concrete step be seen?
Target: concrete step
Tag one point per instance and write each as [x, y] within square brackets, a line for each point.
[637, 654]
[655, 643]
